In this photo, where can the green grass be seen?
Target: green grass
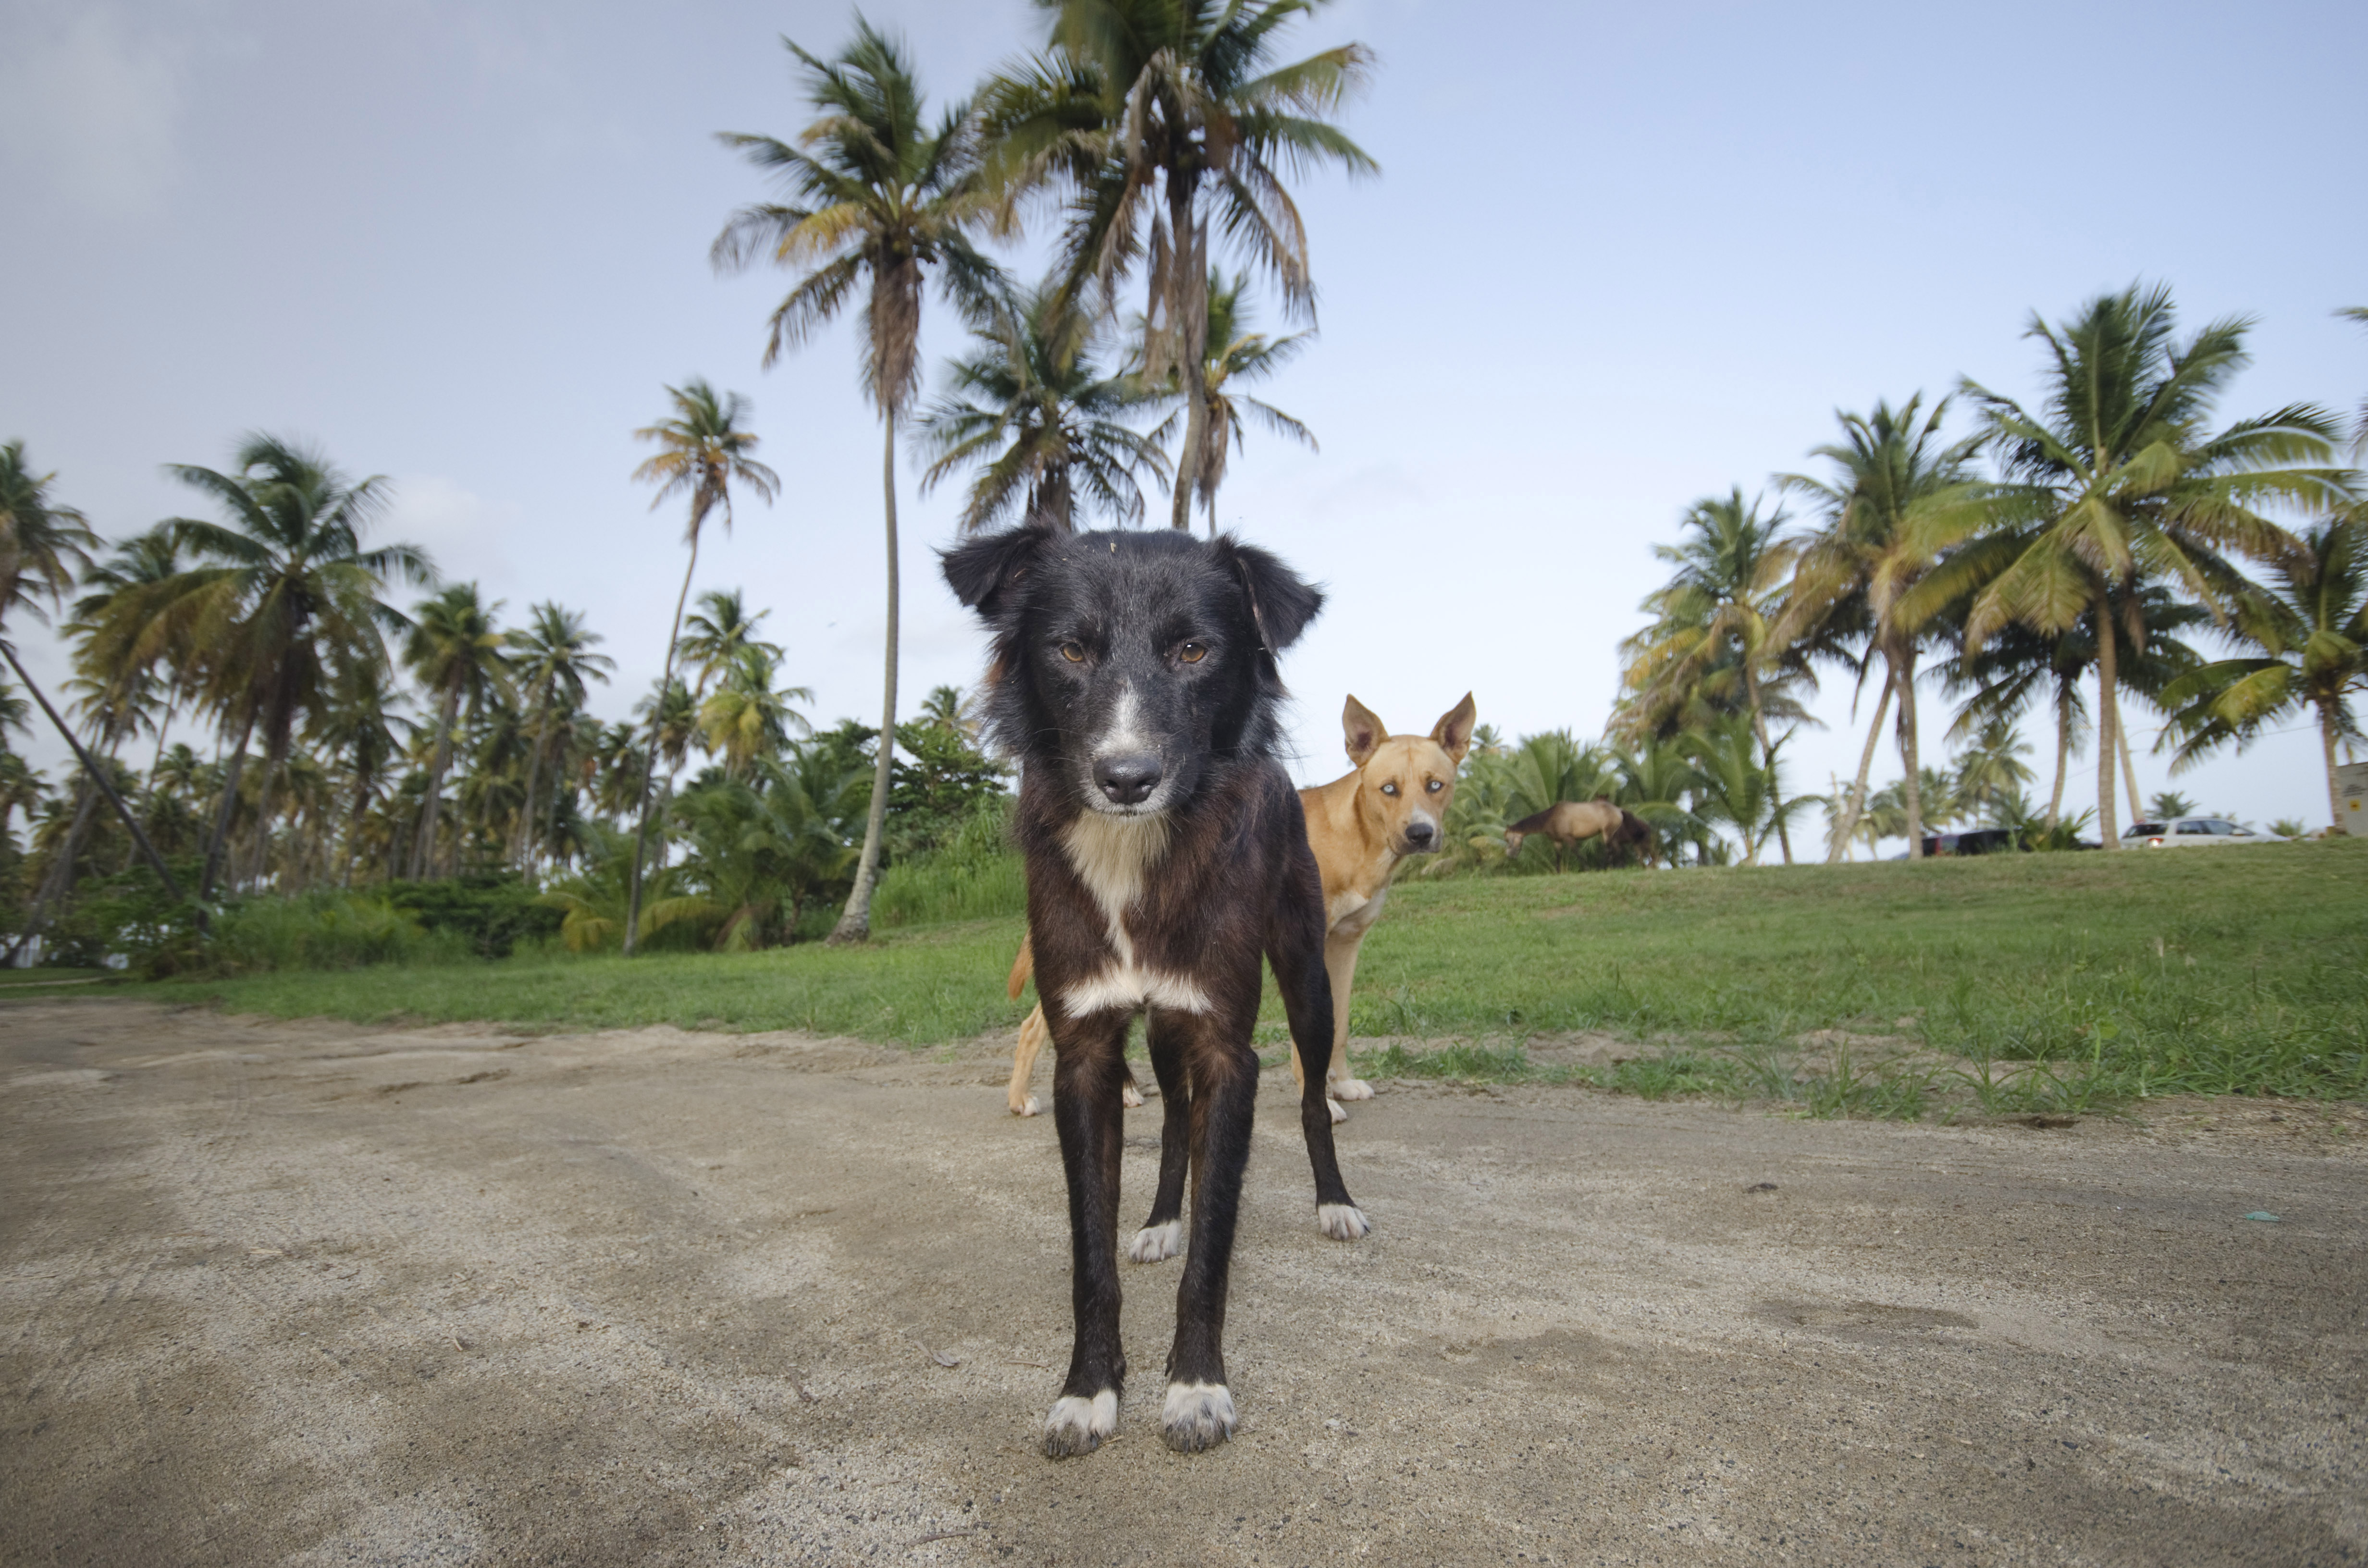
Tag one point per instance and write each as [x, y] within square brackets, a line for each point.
[919, 987]
[2020, 983]
[2235, 971]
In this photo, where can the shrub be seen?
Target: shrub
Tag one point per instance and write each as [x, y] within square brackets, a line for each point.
[492, 912]
[325, 929]
[975, 874]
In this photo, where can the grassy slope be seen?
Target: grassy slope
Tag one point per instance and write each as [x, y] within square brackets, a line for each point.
[2197, 969]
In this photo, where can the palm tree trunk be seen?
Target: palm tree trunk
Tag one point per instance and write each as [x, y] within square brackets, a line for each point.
[1907, 755]
[1767, 755]
[423, 859]
[1189, 315]
[2327, 717]
[650, 760]
[2129, 773]
[1848, 828]
[2109, 728]
[214, 846]
[271, 766]
[524, 850]
[855, 921]
[2063, 757]
[106, 785]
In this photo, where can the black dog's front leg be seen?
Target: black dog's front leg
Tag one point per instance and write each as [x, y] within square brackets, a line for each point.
[1162, 1235]
[1088, 1070]
[1295, 948]
[1223, 1070]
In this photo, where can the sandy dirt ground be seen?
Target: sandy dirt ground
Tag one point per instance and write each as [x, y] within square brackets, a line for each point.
[310, 1293]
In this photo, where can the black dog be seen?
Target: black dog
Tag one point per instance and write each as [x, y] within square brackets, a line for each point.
[1133, 675]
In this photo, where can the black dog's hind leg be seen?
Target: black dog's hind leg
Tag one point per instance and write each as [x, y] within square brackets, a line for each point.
[1162, 1235]
[1224, 1073]
[1295, 948]
[1088, 1066]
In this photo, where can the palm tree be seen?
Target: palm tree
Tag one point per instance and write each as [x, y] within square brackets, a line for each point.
[1990, 770]
[1899, 496]
[2309, 633]
[946, 707]
[357, 729]
[281, 591]
[454, 651]
[746, 718]
[2000, 680]
[879, 202]
[1721, 608]
[1236, 356]
[1180, 94]
[702, 451]
[107, 620]
[715, 635]
[552, 662]
[1039, 418]
[42, 541]
[1734, 786]
[2121, 483]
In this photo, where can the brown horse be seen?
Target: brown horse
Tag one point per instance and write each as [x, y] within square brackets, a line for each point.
[1568, 823]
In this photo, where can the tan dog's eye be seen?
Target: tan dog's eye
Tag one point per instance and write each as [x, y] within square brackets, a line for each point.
[1073, 651]
[1192, 652]
[1434, 786]
[1389, 789]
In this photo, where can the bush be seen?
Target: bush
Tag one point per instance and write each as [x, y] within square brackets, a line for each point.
[320, 930]
[492, 912]
[975, 874]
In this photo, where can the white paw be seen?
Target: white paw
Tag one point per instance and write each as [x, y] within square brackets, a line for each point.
[1339, 1111]
[1197, 1416]
[1351, 1090]
[1155, 1242]
[1130, 1096]
[1025, 1107]
[1342, 1222]
[1077, 1426]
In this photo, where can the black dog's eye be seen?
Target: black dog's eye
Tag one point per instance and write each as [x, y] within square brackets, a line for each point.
[1434, 786]
[1192, 652]
[1073, 651]
[1389, 789]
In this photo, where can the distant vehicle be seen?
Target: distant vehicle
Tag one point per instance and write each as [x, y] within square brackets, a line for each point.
[2193, 830]
[1974, 841]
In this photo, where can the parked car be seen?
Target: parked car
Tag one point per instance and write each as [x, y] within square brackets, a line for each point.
[1971, 841]
[2192, 831]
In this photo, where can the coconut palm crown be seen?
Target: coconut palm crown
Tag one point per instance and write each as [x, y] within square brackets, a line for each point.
[1156, 119]
[2120, 480]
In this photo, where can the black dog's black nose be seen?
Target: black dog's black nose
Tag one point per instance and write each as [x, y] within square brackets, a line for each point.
[1127, 780]
[1420, 834]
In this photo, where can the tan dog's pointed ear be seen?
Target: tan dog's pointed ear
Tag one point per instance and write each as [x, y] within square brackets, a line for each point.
[1453, 731]
[1362, 731]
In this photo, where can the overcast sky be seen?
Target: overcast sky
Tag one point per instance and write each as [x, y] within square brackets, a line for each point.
[1617, 260]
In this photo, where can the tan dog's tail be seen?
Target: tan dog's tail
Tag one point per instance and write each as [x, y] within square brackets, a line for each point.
[1022, 968]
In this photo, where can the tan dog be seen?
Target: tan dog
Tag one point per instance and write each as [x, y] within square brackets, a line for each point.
[1393, 805]
[1034, 1034]
[1360, 826]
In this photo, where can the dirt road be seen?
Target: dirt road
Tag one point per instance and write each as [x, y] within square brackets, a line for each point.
[310, 1293]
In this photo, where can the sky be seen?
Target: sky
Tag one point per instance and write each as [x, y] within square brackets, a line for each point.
[1616, 259]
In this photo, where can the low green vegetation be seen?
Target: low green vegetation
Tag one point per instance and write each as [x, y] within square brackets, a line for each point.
[2008, 983]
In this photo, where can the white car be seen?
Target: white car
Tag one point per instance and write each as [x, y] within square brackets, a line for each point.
[2193, 830]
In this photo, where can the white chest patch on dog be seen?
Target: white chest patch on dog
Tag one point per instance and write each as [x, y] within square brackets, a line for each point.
[1352, 914]
[1112, 855]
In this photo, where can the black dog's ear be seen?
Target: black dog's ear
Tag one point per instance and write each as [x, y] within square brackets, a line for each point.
[1281, 605]
[982, 569]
